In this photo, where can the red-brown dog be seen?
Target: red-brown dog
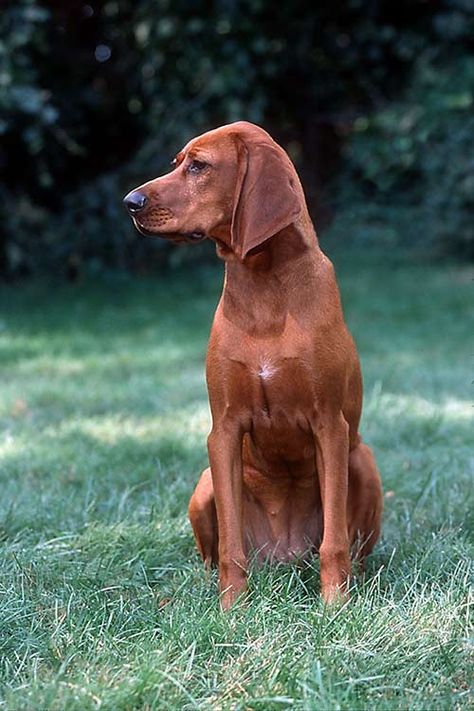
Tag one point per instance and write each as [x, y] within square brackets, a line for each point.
[288, 471]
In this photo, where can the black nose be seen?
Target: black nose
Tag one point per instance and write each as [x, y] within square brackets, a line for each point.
[135, 201]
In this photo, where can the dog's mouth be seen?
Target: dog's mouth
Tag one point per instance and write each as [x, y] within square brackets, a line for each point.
[187, 237]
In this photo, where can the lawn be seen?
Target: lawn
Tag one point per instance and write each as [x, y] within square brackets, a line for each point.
[104, 601]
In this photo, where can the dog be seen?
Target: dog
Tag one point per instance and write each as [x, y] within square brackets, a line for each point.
[289, 474]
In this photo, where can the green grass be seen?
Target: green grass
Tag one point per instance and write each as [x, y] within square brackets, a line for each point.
[104, 602]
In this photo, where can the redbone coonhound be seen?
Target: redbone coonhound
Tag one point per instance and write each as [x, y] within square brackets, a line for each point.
[288, 472]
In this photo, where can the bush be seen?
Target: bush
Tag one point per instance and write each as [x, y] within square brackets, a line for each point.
[416, 155]
[96, 98]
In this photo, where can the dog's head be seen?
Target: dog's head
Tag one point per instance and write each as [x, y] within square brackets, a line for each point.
[234, 185]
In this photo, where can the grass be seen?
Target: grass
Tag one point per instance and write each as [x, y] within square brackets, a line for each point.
[104, 602]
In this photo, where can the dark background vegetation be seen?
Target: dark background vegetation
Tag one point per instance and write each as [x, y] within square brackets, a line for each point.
[373, 100]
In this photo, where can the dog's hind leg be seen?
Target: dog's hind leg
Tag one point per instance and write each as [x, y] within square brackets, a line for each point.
[203, 517]
[364, 502]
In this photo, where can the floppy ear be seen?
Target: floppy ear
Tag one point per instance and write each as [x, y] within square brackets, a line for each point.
[265, 200]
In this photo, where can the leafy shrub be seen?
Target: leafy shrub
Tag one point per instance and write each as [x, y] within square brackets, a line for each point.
[417, 154]
[95, 98]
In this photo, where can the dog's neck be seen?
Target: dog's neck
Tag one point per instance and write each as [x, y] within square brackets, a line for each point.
[271, 282]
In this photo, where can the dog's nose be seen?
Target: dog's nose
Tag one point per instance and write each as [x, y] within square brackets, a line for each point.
[135, 201]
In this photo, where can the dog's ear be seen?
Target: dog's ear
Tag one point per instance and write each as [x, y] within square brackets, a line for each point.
[265, 200]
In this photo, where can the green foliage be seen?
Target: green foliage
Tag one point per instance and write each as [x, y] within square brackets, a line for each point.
[25, 107]
[417, 155]
[104, 602]
[96, 98]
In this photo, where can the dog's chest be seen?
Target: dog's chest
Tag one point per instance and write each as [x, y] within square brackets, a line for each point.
[281, 407]
[272, 384]
[276, 378]
[273, 387]
[281, 385]
[266, 369]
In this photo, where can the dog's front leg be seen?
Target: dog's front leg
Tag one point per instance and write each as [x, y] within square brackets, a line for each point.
[225, 457]
[331, 434]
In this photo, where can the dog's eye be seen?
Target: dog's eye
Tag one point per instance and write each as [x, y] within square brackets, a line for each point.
[196, 166]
